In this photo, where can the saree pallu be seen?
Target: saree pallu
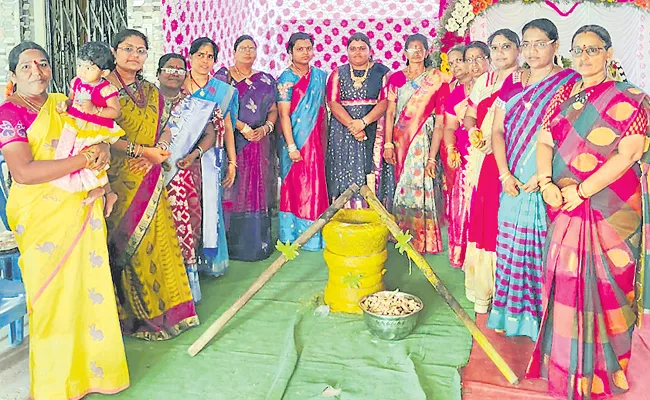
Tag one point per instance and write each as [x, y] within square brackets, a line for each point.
[480, 258]
[303, 192]
[187, 124]
[154, 296]
[247, 204]
[419, 203]
[75, 344]
[592, 252]
[349, 160]
[458, 187]
[517, 304]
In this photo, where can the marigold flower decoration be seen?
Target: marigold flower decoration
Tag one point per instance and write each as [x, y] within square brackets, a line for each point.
[476, 138]
[479, 6]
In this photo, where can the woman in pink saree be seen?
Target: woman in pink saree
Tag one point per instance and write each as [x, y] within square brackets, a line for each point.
[414, 120]
[457, 144]
[593, 134]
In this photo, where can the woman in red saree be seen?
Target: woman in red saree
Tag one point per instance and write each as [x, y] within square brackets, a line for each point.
[301, 107]
[457, 145]
[414, 121]
[592, 136]
[482, 171]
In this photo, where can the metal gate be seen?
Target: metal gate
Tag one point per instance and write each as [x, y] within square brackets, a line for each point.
[74, 22]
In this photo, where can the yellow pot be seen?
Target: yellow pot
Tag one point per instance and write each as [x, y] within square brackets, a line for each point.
[352, 278]
[355, 233]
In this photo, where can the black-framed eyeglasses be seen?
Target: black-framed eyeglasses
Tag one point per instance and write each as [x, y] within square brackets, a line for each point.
[591, 50]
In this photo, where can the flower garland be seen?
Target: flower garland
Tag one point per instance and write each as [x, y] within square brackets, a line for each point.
[455, 22]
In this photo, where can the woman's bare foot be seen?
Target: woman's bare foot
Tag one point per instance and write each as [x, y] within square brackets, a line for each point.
[93, 195]
[111, 198]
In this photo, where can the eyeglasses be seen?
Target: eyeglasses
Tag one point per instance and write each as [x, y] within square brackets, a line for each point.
[141, 51]
[536, 45]
[414, 51]
[173, 71]
[502, 47]
[476, 59]
[455, 62]
[247, 49]
[591, 51]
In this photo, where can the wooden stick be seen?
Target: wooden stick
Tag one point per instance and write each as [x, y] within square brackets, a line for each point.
[431, 276]
[216, 326]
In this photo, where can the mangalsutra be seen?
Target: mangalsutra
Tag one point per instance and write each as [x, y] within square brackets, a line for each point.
[142, 101]
[202, 92]
[30, 104]
[247, 78]
[528, 104]
[582, 96]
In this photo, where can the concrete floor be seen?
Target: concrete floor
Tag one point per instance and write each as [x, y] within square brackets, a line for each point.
[14, 369]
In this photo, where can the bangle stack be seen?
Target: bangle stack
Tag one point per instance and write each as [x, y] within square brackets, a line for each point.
[89, 157]
[246, 129]
[291, 147]
[545, 186]
[134, 150]
[99, 111]
[389, 145]
[505, 177]
[364, 122]
[270, 125]
[200, 150]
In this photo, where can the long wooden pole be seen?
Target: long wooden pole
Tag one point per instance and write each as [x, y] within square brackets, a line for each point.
[216, 326]
[431, 276]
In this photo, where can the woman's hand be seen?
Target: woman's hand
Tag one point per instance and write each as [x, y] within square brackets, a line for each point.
[430, 169]
[140, 165]
[552, 195]
[389, 156]
[453, 157]
[62, 107]
[295, 156]
[102, 153]
[231, 173]
[356, 126]
[187, 160]
[511, 185]
[532, 185]
[571, 198]
[486, 146]
[156, 155]
[257, 134]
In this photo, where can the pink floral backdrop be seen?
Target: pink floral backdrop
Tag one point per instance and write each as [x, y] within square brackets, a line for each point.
[271, 22]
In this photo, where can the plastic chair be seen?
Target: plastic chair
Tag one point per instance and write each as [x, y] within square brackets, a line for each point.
[12, 292]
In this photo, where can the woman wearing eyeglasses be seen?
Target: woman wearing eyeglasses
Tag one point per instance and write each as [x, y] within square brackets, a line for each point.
[482, 172]
[593, 134]
[457, 145]
[204, 132]
[153, 291]
[414, 122]
[517, 305]
[247, 204]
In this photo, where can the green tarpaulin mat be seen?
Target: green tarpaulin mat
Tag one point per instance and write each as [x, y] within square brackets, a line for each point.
[279, 347]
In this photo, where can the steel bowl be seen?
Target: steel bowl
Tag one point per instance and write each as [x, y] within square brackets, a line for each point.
[391, 327]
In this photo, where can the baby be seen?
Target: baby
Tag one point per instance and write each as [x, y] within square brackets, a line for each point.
[92, 108]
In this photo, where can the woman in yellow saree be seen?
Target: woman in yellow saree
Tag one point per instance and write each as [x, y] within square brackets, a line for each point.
[155, 300]
[75, 342]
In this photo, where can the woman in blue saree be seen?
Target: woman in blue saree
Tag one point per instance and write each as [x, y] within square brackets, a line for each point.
[517, 303]
[301, 106]
[247, 203]
[210, 104]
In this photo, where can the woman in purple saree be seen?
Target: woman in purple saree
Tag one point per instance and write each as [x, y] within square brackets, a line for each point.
[247, 203]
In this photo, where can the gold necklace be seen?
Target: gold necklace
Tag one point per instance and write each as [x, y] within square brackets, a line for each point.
[247, 78]
[30, 104]
[297, 70]
[358, 80]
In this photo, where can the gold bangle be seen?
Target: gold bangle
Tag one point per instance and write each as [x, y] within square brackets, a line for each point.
[233, 163]
[89, 158]
[545, 186]
[389, 145]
